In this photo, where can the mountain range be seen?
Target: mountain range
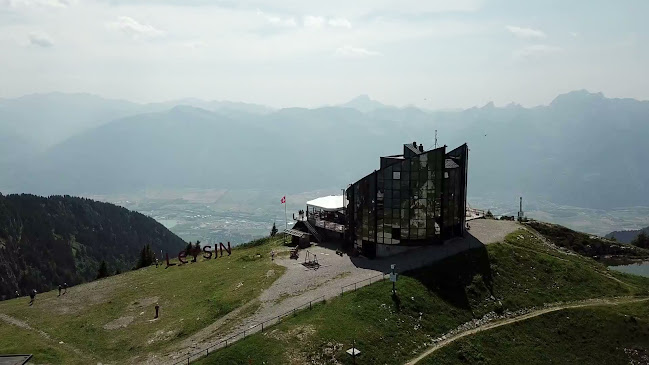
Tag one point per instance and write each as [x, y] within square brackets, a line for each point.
[582, 149]
[627, 236]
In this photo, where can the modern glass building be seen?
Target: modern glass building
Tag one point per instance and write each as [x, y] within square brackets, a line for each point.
[417, 198]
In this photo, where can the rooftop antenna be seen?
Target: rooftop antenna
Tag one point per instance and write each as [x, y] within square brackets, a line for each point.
[435, 138]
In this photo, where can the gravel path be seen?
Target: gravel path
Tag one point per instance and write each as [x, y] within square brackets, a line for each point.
[300, 285]
[491, 231]
[448, 339]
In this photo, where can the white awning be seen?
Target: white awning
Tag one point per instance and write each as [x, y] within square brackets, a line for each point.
[330, 203]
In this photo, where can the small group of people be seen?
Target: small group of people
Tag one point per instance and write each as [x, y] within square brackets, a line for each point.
[63, 287]
[301, 214]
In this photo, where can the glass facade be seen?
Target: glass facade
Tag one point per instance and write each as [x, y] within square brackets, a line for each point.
[409, 201]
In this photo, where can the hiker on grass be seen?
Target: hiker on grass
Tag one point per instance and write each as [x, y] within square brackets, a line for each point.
[60, 288]
[32, 296]
[65, 288]
[272, 255]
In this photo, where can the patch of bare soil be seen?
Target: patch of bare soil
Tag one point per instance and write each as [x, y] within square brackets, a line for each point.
[141, 303]
[299, 333]
[119, 323]
[161, 335]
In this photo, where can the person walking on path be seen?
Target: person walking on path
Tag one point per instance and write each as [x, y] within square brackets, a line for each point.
[60, 288]
[32, 296]
[272, 255]
[65, 288]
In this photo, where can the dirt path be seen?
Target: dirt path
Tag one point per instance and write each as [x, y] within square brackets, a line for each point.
[24, 325]
[587, 303]
[297, 286]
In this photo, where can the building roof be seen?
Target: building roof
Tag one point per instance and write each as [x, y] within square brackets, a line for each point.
[296, 233]
[14, 359]
[330, 203]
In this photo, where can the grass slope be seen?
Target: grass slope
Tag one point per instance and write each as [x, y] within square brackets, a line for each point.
[602, 249]
[518, 273]
[111, 319]
[599, 335]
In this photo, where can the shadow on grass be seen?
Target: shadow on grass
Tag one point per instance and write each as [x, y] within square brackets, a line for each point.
[459, 280]
[397, 301]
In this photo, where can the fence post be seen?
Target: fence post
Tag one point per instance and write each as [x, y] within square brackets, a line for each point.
[354, 286]
[310, 305]
[226, 342]
[262, 326]
[244, 333]
[187, 360]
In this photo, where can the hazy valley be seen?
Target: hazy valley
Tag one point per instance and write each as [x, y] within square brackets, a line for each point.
[216, 170]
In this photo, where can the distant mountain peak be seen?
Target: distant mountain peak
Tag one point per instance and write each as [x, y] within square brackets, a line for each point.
[578, 96]
[489, 105]
[364, 104]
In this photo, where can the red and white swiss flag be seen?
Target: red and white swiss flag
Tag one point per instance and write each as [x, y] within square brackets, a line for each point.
[283, 199]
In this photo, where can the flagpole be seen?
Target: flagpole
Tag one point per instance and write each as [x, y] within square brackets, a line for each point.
[285, 220]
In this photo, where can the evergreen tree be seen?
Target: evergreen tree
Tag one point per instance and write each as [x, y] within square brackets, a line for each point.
[147, 257]
[642, 240]
[103, 270]
[188, 248]
[273, 231]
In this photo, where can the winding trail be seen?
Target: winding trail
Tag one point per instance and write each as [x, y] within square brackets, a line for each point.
[523, 317]
[24, 325]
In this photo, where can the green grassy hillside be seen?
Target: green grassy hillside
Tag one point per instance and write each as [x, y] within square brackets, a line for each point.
[521, 272]
[599, 335]
[601, 249]
[111, 320]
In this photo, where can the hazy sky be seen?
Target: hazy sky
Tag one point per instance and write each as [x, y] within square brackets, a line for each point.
[434, 54]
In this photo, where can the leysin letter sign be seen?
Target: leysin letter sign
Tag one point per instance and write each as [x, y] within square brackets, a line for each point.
[194, 252]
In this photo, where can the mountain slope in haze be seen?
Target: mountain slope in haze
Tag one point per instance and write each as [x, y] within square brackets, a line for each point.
[583, 149]
[628, 235]
[45, 242]
[43, 120]
[47, 119]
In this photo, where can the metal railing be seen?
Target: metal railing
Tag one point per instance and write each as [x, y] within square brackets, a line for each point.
[261, 326]
[313, 231]
[356, 284]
